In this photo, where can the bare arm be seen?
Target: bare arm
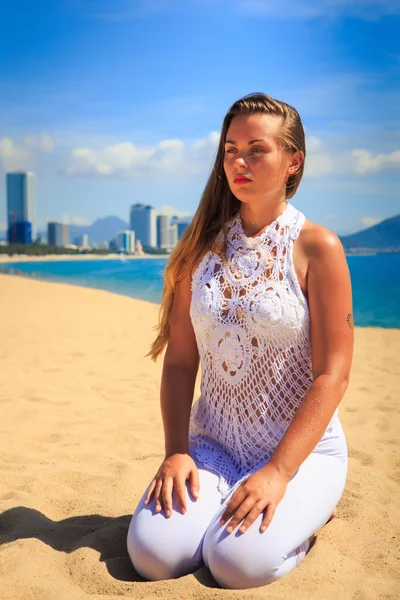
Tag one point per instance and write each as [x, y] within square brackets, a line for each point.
[180, 368]
[329, 295]
[332, 339]
[181, 363]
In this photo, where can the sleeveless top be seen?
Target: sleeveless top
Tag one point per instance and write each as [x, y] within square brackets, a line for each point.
[252, 326]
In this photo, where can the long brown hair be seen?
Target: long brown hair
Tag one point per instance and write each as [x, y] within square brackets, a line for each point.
[218, 204]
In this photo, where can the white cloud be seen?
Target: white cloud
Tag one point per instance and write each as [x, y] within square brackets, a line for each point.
[370, 221]
[323, 160]
[166, 209]
[172, 158]
[79, 221]
[65, 218]
[366, 162]
[178, 159]
[22, 155]
[41, 143]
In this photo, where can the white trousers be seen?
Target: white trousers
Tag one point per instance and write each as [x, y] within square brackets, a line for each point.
[165, 548]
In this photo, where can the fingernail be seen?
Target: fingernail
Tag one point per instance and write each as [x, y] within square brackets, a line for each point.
[168, 513]
[229, 529]
[242, 529]
[196, 494]
[263, 528]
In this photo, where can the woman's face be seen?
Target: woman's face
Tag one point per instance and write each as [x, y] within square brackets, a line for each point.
[253, 149]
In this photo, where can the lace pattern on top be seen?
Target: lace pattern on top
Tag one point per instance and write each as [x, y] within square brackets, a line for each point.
[252, 328]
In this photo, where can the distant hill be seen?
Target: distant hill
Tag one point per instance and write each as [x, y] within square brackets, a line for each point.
[101, 230]
[383, 236]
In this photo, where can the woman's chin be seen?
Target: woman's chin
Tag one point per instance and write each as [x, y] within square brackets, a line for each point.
[242, 197]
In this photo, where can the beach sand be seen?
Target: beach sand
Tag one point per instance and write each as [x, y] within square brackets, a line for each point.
[81, 437]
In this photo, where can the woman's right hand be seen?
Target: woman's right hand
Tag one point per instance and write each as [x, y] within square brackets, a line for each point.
[173, 473]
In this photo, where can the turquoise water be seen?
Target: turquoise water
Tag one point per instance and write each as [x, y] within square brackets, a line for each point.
[375, 281]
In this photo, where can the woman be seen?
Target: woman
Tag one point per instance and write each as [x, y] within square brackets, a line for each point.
[262, 298]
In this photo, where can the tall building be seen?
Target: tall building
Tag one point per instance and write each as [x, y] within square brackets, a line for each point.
[21, 222]
[126, 241]
[82, 241]
[181, 228]
[57, 234]
[163, 231]
[173, 235]
[143, 223]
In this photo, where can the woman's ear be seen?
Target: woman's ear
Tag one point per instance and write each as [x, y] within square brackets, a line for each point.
[297, 159]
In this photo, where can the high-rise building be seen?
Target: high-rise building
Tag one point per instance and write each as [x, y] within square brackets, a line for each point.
[163, 231]
[173, 235]
[181, 228]
[82, 241]
[21, 222]
[143, 223]
[126, 241]
[57, 234]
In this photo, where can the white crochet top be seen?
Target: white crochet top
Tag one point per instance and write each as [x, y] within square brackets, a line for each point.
[252, 327]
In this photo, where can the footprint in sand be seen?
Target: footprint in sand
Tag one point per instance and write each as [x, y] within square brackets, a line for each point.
[365, 459]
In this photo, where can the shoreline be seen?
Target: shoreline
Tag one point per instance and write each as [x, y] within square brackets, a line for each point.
[54, 257]
[26, 276]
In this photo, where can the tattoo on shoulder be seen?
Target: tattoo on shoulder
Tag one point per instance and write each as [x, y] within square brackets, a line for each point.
[350, 321]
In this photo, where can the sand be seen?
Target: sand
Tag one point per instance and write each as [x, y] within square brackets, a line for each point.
[81, 437]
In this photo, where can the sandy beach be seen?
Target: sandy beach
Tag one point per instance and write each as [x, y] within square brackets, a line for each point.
[81, 437]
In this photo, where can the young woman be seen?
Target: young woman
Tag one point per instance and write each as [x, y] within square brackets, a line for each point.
[261, 297]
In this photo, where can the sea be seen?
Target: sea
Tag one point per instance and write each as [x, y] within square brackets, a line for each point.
[375, 281]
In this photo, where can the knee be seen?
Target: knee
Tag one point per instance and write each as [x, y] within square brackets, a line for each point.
[147, 555]
[240, 574]
[156, 553]
[236, 567]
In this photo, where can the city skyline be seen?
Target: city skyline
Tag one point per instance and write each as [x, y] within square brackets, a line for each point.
[104, 129]
[146, 226]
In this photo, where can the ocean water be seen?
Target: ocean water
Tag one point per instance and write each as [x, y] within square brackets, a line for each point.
[375, 281]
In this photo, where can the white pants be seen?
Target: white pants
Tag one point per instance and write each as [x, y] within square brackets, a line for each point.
[165, 548]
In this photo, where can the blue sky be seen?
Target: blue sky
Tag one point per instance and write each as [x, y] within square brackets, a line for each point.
[116, 102]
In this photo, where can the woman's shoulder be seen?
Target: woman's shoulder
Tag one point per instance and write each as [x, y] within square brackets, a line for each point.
[316, 239]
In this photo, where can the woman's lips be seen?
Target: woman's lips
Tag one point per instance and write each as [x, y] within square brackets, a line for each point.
[240, 180]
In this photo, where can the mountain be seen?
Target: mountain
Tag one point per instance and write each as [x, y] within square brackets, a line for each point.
[383, 236]
[101, 230]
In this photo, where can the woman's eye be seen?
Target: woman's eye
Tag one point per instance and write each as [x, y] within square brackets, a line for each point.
[230, 150]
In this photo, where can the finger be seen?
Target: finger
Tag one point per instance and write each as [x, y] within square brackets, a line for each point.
[269, 513]
[252, 516]
[166, 493]
[240, 514]
[157, 495]
[180, 489]
[195, 482]
[150, 491]
[238, 497]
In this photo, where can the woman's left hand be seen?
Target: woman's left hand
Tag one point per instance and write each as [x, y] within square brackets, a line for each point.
[262, 490]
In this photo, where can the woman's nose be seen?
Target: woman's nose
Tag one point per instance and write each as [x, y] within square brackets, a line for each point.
[239, 161]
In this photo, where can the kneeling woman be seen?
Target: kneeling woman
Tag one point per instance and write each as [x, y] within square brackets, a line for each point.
[261, 297]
